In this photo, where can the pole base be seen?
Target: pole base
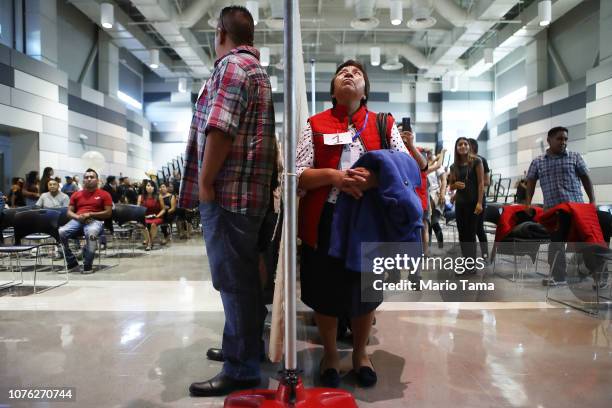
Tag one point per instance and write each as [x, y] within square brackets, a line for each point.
[291, 393]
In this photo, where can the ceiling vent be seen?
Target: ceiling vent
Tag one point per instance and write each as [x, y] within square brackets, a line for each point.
[364, 15]
[392, 64]
[421, 15]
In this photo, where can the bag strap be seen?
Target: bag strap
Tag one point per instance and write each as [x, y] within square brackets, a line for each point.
[381, 125]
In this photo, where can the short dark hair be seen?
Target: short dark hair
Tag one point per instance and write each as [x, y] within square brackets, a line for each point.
[552, 132]
[110, 179]
[351, 63]
[473, 144]
[90, 170]
[238, 23]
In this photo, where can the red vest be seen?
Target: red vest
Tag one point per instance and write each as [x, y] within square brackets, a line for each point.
[422, 189]
[333, 120]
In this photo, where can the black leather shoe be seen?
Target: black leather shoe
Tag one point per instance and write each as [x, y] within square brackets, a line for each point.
[366, 377]
[215, 354]
[220, 385]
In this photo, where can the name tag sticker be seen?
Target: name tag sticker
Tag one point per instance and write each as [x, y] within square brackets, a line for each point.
[333, 139]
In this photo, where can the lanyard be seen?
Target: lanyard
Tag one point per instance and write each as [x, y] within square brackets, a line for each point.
[363, 128]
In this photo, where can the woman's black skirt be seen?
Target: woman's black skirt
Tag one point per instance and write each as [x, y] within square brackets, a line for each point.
[326, 285]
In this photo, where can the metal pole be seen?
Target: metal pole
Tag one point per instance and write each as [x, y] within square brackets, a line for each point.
[290, 191]
[313, 88]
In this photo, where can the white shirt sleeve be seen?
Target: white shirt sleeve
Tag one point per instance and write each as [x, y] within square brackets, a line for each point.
[304, 157]
[396, 142]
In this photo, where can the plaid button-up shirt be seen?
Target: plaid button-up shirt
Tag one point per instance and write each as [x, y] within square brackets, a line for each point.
[559, 177]
[237, 100]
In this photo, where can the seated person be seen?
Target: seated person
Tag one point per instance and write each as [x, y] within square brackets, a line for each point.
[87, 211]
[53, 198]
[154, 203]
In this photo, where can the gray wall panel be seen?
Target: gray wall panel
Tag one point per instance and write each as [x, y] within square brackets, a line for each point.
[167, 137]
[599, 74]
[502, 151]
[599, 124]
[600, 175]
[5, 55]
[111, 116]
[7, 75]
[63, 95]
[36, 104]
[114, 104]
[38, 69]
[111, 143]
[531, 142]
[5, 95]
[591, 93]
[577, 86]
[134, 127]
[74, 134]
[55, 126]
[74, 88]
[531, 103]
[467, 96]
[574, 102]
[533, 115]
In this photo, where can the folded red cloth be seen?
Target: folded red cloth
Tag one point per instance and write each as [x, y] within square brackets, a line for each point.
[585, 223]
[508, 219]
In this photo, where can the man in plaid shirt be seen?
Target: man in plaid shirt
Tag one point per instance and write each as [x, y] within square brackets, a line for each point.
[230, 158]
[560, 173]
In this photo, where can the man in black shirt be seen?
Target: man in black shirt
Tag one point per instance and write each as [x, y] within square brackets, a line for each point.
[480, 232]
[126, 191]
[111, 188]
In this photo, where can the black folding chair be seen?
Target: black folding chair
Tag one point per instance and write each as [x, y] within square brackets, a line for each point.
[129, 219]
[26, 223]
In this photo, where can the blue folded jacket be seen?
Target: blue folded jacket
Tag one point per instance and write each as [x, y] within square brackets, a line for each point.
[391, 212]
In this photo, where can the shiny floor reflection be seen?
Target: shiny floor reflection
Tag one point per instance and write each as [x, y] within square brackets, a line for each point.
[136, 336]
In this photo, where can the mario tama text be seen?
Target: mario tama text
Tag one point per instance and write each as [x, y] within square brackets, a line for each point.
[384, 266]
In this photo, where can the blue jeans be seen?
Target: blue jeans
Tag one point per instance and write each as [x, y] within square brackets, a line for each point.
[74, 229]
[231, 246]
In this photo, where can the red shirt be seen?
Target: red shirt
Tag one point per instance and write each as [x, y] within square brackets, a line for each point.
[84, 201]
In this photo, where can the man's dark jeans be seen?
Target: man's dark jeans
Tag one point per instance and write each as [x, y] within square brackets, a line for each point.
[231, 245]
[556, 249]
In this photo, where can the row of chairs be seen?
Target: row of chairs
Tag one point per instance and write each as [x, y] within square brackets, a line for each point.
[40, 228]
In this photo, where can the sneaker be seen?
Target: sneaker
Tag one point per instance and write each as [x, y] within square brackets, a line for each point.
[553, 282]
[87, 269]
[72, 266]
[602, 285]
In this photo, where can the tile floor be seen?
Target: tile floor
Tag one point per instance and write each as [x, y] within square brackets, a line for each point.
[135, 335]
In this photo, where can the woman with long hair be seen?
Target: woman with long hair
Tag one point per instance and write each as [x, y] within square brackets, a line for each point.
[16, 198]
[44, 181]
[154, 204]
[467, 179]
[31, 192]
[166, 192]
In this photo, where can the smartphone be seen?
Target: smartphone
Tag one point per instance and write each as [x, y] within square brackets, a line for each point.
[406, 126]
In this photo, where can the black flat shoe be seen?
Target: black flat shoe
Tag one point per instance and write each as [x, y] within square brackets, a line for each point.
[220, 385]
[215, 354]
[366, 377]
[330, 378]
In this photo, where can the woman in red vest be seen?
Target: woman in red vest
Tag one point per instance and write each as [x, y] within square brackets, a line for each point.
[331, 142]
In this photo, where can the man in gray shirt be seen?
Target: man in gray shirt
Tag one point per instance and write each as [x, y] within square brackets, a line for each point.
[53, 198]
